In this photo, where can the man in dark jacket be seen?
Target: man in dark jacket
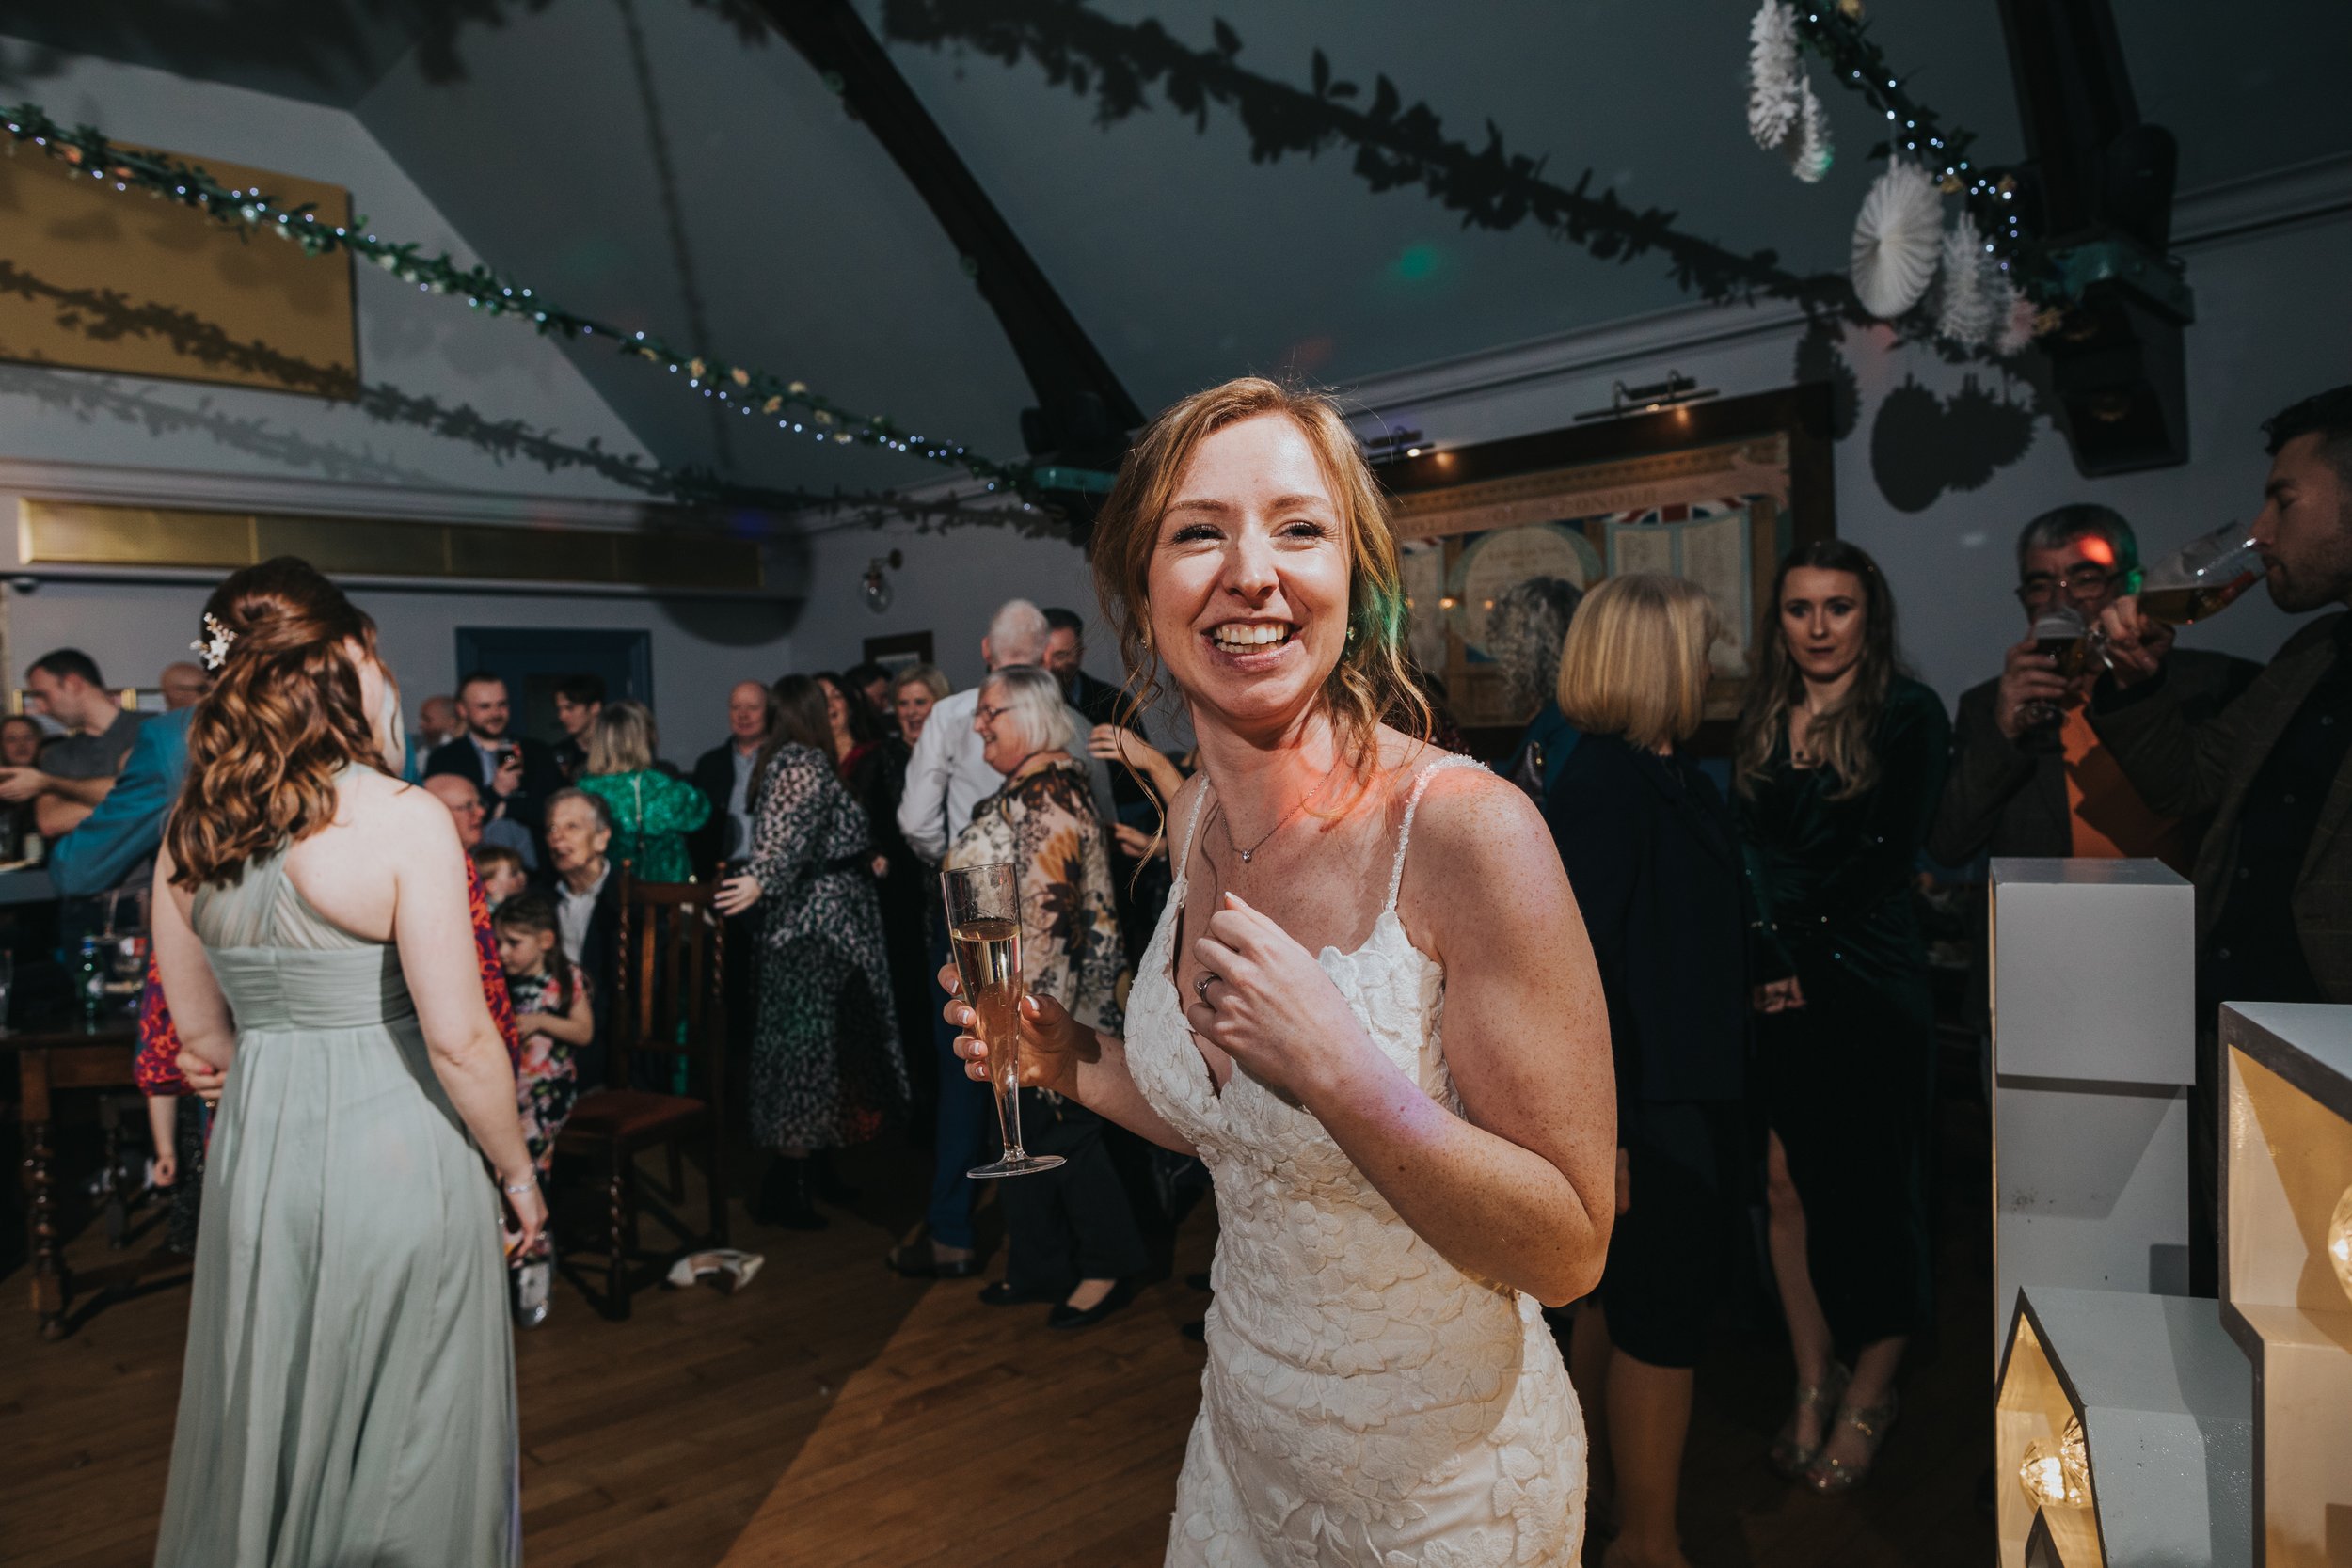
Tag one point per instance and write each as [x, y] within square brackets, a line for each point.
[723, 774]
[2029, 775]
[516, 776]
[2274, 875]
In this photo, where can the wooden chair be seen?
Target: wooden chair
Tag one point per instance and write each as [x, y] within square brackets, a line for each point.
[670, 1001]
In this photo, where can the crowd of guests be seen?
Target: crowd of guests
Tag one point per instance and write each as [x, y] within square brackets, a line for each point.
[1753, 912]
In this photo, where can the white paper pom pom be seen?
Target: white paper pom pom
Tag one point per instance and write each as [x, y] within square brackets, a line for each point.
[1973, 305]
[1896, 240]
[1808, 146]
[1774, 78]
[2018, 322]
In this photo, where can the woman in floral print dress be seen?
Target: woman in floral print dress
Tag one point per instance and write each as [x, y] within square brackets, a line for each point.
[1070, 1234]
[826, 1070]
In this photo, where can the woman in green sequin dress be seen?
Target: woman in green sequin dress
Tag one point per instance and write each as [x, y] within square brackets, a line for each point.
[652, 811]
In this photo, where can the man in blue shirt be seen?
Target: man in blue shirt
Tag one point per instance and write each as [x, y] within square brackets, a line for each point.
[123, 830]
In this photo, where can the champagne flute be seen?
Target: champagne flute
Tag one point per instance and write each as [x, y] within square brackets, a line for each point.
[984, 928]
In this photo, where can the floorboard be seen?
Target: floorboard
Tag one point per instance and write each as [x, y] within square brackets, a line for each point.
[834, 1414]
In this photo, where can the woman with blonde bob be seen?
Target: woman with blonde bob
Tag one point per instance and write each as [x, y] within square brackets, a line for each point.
[1654, 858]
[1392, 1205]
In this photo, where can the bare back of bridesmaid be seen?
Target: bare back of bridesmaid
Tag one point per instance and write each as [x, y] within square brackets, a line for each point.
[349, 1388]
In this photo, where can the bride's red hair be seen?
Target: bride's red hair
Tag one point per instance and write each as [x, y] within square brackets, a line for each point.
[284, 718]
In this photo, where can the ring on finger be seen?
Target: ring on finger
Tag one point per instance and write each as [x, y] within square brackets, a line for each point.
[1200, 988]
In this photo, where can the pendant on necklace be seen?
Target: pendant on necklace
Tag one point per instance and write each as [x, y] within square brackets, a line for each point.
[1246, 854]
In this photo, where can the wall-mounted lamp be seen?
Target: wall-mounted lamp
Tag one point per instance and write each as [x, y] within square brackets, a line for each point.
[1390, 446]
[875, 586]
[1654, 397]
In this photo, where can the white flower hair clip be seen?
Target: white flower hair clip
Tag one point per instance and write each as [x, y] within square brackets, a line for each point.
[214, 645]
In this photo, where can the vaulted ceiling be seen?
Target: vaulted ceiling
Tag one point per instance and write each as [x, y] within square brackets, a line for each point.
[675, 165]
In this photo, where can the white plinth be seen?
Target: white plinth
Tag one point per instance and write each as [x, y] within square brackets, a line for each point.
[2166, 1401]
[2093, 1049]
[2095, 973]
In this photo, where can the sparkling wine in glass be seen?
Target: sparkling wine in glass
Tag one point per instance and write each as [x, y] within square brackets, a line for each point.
[984, 928]
[2200, 577]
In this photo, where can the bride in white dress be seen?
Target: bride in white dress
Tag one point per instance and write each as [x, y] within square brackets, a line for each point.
[1393, 1200]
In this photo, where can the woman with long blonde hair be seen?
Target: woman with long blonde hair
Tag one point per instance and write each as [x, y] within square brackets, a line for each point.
[1392, 1205]
[349, 1388]
[1652, 852]
[1840, 761]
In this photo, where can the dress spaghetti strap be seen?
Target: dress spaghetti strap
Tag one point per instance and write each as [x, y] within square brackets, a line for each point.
[1404, 838]
[1192, 829]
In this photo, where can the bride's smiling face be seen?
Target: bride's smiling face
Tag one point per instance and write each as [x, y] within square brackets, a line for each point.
[1248, 580]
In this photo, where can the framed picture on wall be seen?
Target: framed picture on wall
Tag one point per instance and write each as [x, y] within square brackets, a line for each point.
[899, 650]
[1715, 492]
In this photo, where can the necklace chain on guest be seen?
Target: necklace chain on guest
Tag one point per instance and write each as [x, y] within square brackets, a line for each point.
[1226, 821]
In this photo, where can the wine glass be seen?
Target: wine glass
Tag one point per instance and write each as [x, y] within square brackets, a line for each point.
[984, 928]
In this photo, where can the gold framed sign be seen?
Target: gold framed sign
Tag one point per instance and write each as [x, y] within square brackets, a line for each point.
[1715, 492]
[93, 278]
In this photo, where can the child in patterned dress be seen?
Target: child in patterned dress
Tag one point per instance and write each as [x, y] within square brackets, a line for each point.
[552, 1015]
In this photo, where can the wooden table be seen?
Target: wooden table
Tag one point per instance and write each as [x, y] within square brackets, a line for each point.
[63, 1059]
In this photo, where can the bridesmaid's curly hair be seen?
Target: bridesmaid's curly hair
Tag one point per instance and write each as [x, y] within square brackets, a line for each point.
[283, 718]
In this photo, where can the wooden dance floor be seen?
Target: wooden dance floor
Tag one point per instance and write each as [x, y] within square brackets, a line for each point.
[836, 1415]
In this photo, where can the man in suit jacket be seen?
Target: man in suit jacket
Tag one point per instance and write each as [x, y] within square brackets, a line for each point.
[723, 774]
[2274, 875]
[517, 776]
[588, 915]
[2028, 775]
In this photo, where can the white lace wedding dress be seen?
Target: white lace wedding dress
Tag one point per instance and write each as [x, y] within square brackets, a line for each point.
[1366, 1405]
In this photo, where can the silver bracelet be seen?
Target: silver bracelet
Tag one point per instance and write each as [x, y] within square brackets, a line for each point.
[518, 1188]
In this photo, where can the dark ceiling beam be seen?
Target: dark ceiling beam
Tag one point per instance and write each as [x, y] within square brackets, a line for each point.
[1082, 404]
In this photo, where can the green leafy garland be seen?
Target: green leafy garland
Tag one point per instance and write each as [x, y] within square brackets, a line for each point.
[754, 391]
[1836, 30]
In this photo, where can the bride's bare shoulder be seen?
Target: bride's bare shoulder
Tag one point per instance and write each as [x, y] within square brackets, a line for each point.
[1474, 832]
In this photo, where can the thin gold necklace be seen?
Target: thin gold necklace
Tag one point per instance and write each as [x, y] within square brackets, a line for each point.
[1226, 821]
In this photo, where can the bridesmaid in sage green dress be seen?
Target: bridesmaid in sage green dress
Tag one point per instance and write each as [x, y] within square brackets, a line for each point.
[348, 1395]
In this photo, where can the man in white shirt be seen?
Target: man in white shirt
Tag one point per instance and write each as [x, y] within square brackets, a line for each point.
[587, 912]
[945, 779]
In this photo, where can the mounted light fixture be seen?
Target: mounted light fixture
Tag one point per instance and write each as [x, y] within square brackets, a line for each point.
[1654, 397]
[875, 586]
[1392, 446]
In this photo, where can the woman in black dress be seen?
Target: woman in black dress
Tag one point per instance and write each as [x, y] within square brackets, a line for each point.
[1655, 861]
[826, 1071]
[873, 764]
[1840, 763]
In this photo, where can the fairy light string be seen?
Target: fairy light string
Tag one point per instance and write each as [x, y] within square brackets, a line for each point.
[796, 408]
[1837, 32]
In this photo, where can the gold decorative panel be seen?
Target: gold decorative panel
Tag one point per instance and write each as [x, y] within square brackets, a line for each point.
[676, 558]
[94, 279]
